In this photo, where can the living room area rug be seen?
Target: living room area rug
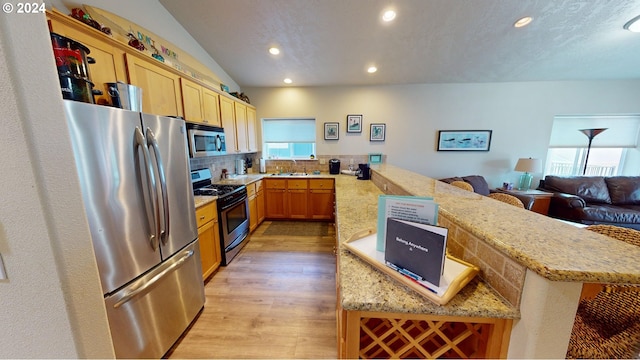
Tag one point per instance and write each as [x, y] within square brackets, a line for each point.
[298, 228]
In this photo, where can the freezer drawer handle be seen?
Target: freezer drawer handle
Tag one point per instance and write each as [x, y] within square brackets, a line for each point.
[154, 223]
[153, 280]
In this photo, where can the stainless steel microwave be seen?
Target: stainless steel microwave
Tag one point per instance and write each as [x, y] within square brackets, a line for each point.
[205, 140]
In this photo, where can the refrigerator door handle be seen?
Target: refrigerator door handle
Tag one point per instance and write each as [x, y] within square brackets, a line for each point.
[153, 144]
[137, 291]
[154, 224]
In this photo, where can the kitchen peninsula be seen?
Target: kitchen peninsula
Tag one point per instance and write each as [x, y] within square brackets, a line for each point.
[532, 270]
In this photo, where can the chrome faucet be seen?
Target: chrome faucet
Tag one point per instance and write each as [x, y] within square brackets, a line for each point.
[294, 165]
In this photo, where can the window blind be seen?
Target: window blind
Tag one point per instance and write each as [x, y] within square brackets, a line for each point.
[622, 131]
[289, 130]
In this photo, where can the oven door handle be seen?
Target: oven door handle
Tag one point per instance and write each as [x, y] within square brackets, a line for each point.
[154, 226]
[152, 143]
[236, 202]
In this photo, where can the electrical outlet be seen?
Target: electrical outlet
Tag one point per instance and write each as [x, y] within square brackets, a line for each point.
[323, 161]
[350, 161]
[213, 168]
[384, 187]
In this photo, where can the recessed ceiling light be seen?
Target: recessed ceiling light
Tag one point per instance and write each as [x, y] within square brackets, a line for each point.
[274, 50]
[633, 25]
[288, 81]
[372, 69]
[388, 15]
[523, 22]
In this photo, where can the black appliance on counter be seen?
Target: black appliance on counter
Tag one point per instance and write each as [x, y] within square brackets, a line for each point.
[363, 172]
[233, 211]
[334, 166]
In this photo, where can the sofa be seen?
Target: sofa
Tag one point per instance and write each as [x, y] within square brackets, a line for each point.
[595, 199]
[480, 186]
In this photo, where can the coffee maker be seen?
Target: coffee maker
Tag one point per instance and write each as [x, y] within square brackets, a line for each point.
[363, 172]
[334, 166]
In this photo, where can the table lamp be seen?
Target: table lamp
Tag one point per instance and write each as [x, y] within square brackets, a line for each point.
[528, 166]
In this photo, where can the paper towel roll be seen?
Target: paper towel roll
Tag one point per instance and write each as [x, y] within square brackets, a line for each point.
[263, 166]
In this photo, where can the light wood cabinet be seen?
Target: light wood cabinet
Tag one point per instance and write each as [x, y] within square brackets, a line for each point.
[161, 94]
[260, 201]
[191, 100]
[211, 107]
[275, 198]
[241, 128]
[321, 199]
[109, 59]
[239, 134]
[208, 238]
[228, 118]
[252, 124]
[200, 104]
[286, 199]
[255, 194]
[297, 198]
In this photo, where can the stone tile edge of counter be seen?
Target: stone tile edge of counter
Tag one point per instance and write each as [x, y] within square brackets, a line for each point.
[201, 201]
[364, 288]
[554, 266]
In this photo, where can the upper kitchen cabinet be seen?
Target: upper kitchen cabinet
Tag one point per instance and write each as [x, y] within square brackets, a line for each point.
[161, 93]
[200, 103]
[109, 63]
[241, 128]
[210, 107]
[238, 121]
[251, 129]
[228, 117]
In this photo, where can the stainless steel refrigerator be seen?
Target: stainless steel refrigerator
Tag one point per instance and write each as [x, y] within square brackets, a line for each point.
[134, 173]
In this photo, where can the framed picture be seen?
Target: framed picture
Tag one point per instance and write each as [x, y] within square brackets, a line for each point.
[377, 132]
[464, 140]
[331, 130]
[354, 123]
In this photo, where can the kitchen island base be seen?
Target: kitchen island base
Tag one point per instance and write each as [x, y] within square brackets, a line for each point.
[364, 334]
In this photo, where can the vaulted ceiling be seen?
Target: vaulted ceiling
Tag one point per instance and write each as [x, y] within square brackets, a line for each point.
[333, 42]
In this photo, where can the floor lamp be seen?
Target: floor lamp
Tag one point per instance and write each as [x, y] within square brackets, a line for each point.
[591, 133]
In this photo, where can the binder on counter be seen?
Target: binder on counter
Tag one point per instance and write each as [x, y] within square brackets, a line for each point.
[455, 275]
[416, 250]
[409, 208]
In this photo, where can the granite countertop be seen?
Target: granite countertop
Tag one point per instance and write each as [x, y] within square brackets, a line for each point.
[365, 288]
[553, 249]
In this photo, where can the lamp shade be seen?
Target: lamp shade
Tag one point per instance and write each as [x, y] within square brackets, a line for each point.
[529, 165]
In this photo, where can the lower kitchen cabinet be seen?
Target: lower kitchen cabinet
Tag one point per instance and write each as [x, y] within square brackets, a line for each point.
[275, 198]
[260, 202]
[209, 238]
[299, 199]
[321, 199]
[255, 193]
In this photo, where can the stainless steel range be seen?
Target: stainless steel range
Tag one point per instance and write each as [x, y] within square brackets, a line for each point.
[233, 212]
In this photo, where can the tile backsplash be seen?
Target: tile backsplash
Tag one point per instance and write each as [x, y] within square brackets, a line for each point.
[320, 163]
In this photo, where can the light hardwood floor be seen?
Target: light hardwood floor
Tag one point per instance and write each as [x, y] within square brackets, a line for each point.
[276, 299]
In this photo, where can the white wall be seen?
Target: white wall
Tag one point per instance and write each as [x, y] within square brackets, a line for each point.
[520, 115]
[51, 305]
[151, 15]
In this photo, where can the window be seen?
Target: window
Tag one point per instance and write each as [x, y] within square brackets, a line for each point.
[570, 161]
[288, 138]
[568, 147]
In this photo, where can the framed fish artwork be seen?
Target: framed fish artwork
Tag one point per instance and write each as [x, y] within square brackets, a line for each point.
[464, 140]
